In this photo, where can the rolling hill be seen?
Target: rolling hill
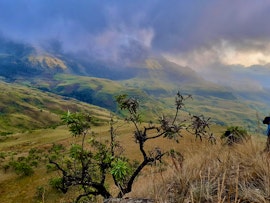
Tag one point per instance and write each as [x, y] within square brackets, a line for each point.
[154, 80]
[23, 108]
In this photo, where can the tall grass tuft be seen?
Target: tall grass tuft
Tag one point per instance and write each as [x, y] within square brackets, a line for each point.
[213, 174]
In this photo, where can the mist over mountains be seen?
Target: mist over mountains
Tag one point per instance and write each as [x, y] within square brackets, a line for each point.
[22, 58]
[214, 50]
[238, 77]
[222, 42]
[188, 31]
[58, 57]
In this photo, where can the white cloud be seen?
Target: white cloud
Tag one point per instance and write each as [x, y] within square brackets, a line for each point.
[232, 55]
[246, 53]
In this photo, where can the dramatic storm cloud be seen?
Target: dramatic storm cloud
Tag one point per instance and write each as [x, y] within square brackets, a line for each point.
[193, 33]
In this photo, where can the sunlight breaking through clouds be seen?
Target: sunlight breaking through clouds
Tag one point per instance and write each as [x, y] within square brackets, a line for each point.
[225, 53]
[191, 33]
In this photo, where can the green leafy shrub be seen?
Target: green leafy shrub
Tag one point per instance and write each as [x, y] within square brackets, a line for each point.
[57, 148]
[50, 168]
[55, 151]
[5, 133]
[23, 165]
[234, 134]
[2, 155]
[22, 168]
[56, 183]
[120, 169]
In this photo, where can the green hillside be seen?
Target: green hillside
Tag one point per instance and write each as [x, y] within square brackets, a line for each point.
[223, 106]
[154, 80]
[23, 108]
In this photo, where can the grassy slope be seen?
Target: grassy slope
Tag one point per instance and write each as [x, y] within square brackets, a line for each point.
[24, 188]
[100, 92]
[225, 106]
[23, 108]
[211, 174]
[222, 105]
[200, 159]
[218, 103]
[212, 101]
[155, 79]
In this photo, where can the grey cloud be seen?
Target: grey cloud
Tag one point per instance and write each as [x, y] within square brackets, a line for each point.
[177, 25]
[243, 23]
[38, 19]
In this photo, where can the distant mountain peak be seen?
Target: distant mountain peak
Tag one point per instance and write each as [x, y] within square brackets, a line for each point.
[47, 60]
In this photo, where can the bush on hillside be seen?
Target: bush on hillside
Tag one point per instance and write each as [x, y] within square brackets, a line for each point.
[234, 134]
[24, 165]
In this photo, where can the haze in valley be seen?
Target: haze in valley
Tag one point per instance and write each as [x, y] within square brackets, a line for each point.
[227, 42]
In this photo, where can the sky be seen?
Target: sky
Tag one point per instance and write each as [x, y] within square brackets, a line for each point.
[194, 33]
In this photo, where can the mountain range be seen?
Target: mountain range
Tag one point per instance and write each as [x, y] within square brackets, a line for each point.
[233, 96]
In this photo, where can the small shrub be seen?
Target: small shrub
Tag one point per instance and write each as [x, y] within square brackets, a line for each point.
[57, 148]
[234, 134]
[2, 155]
[120, 169]
[34, 163]
[22, 168]
[34, 155]
[56, 183]
[50, 168]
[5, 133]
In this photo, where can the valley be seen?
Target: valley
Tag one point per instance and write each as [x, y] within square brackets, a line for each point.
[162, 100]
[36, 89]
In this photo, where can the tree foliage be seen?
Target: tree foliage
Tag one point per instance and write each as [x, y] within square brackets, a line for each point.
[88, 166]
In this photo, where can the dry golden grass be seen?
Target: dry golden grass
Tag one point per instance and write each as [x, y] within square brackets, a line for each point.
[212, 173]
[208, 173]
